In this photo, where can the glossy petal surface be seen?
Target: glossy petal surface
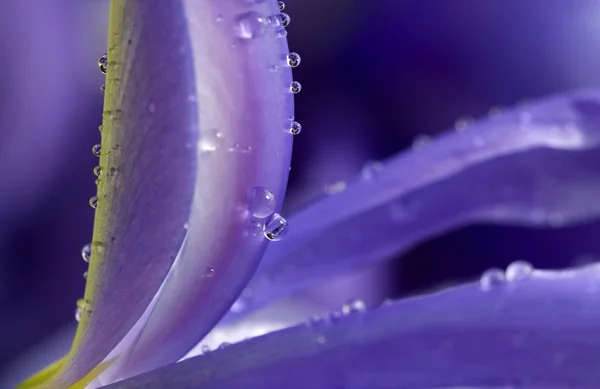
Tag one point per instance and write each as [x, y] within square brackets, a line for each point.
[244, 144]
[534, 165]
[191, 124]
[535, 330]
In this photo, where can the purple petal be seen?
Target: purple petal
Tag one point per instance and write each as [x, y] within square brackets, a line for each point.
[534, 165]
[194, 119]
[531, 330]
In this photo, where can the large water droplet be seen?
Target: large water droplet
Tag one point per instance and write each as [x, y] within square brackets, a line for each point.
[518, 270]
[293, 60]
[491, 278]
[103, 63]
[96, 150]
[295, 128]
[251, 25]
[295, 87]
[94, 202]
[261, 202]
[86, 252]
[276, 228]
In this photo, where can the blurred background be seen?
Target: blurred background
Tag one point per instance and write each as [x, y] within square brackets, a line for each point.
[376, 74]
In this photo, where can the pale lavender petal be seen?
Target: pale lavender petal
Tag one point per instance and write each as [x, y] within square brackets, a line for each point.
[253, 149]
[533, 165]
[531, 330]
[194, 119]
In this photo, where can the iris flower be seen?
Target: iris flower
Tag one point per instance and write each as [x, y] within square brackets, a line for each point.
[197, 134]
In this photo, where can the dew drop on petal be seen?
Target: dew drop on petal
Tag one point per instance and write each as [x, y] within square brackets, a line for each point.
[276, 228]
[86, 251]
[261, 202]
[85, 275]
[100, 128]
[492, 278]
[94, 202]
[205, 349]
[77, 315]
[102, 88]
[284, 19]
[103, 63]
[371, 169]
[97, 171]
[295, 128]
[354, 306]
[293, 60]
[96, 150]
[281, 5]
[518, 270]
[209, 272]
[295, 87]
[250, 25]
[224, 345]
[281, 32]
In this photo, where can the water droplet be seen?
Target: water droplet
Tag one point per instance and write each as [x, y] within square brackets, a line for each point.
[295, 128]
[94, 202]
[224, 345]
[354, 306]
[97, 182]
[209, 272]
[86, 252]
[371, 169]
[284, 19]
[462, 124]
[251, 25]
[100, 128]
[103, 63]
[102, 88]
[205, 349]
[491, 278]
[96, 150]
[85, 275]
[262, 202]
[518, 270]
[420, 141]
[336, 187]
[281, 32]
[276, 228]
[97, 171]
[82, 306]
[295, 87]
[293, 60]
[281, 5]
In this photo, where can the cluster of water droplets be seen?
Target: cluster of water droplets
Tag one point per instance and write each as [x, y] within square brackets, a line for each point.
[516, 271]
[254, 25]
[261, 205]
[352, 307]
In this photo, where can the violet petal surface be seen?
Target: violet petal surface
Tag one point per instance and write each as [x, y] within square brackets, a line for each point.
[532, 329]
[533, 165]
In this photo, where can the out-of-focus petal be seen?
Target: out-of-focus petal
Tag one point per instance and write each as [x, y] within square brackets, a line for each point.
[194, 119]
[533, 329]
[535, 165]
